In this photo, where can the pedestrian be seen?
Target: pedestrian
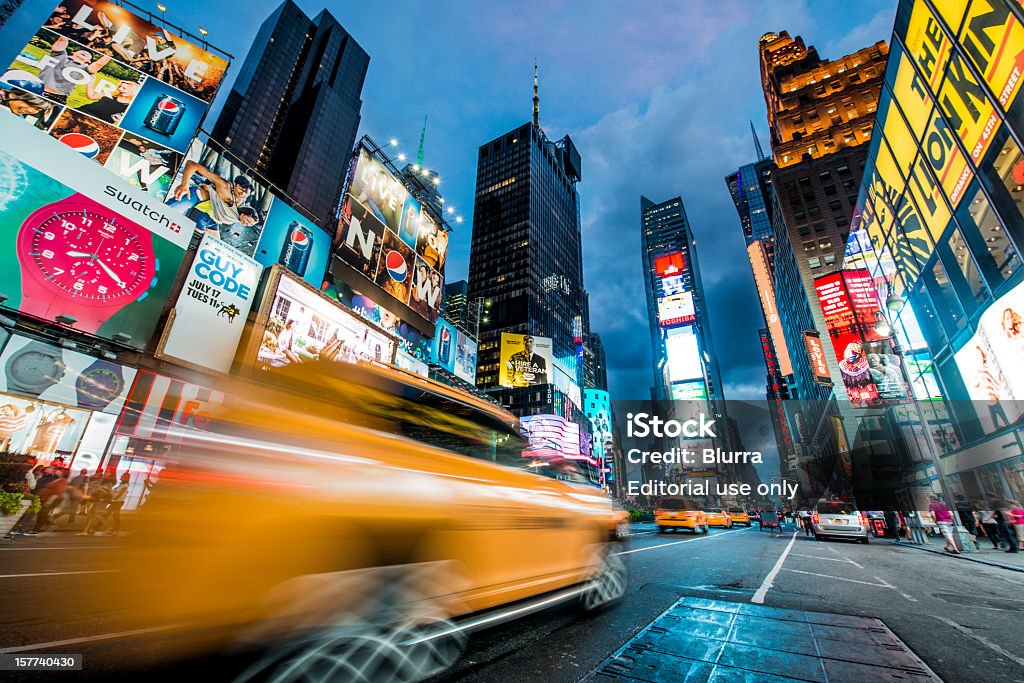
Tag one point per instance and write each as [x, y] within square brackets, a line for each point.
[990, 527]
[50, 496]
[117, 499]
[965, 511]
[28, 518]
[99, 498]
[78, 489]
[1005, 520]
[1017, 518]
[891, 525]
[944, 520]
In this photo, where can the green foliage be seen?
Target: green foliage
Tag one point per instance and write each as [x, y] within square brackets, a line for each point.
[10, 503]
[13, 468]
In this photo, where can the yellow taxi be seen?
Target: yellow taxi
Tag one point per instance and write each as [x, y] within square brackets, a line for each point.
[739, 516]
[680, 513]
[718, 517]
[328, 498]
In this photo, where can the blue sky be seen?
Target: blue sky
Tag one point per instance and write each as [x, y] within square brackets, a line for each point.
[657, 98]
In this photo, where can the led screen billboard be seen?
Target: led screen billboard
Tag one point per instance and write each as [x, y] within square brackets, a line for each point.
[161, 408]
[683, 353]
[552, 437]
[110, 75]
[78, 243]
[816, 357]
[676, 309]
[465, 357]
[445, 345]
[210, 314]
[766, 292]
[387, 236]
[298, 324]
[688, 391]
[411, 364]
[526, 360]
[669, 265]
[990, 362]
[39, 370]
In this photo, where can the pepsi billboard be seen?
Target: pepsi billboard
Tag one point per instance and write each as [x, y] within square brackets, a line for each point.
[387, 236]
[97, 74]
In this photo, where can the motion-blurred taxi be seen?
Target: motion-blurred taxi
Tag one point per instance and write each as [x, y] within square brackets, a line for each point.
[680, 513]
[739, 516]
[718, 517]
[360, 514]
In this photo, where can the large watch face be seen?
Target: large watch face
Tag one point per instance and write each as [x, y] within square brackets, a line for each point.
[89, 256]
[35, 369]
[100, 383]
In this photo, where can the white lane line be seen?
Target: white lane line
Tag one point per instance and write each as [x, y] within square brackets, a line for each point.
[889, 585]
[22, 576]
[839, 578]
[826, 559]
[981, 639]
[689, 540]
[87, 639]
[643, 533]
[858, 566]
[769, 580]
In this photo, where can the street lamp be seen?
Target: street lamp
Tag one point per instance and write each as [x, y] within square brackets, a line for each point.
[483, 309]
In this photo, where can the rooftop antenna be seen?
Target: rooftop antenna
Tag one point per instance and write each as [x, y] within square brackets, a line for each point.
[423, 133]
[757, 143]
[536, 96]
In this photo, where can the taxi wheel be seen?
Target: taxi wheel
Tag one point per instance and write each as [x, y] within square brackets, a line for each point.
[662, 530]
[607, 585]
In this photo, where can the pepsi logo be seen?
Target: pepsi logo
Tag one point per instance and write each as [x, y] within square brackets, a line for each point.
[81, 143]
[397, 268]
[168, 106]
[299, 237]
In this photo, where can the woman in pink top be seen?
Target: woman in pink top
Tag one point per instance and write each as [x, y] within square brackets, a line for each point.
[1017, 519]
[944, 519]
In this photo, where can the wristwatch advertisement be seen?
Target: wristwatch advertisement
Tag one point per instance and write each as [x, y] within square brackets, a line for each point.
[38, 370]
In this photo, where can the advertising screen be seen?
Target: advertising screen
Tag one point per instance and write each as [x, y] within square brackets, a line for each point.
[291, 239]
[816, 357]
[465, 357]
[564, 380]
[553, 437]
[674, 284]
[683, 352]
[411, 364]
[39, 370]
[990, 363]
[676, 309]
[688, 391]
[387, 236]
[210, 314]
[78, 243]
[669, 264]
[445, 344]
[298, 324]
[766, 292]
[43, 430]
[526, 360]
[160, 408]
[109, 75]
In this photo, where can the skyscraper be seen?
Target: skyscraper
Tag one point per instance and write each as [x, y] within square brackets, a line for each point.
[596, 370]
[293, 112]
[456, 304]
[526, 259]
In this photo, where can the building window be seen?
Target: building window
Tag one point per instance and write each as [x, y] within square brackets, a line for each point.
[809, 246]
[835, 205]
[830, 259]
[814, 262]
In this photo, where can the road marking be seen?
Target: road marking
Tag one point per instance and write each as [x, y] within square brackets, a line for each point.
[839, 578]
[889, 585]
[826, 559]
[87, 639]
[22, 576]
[769, 580]
[844, 557]
[981, 639]
[689, 540]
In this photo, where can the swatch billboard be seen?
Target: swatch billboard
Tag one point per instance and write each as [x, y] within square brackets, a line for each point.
[103, 76]
[82, 244]
[387, 236]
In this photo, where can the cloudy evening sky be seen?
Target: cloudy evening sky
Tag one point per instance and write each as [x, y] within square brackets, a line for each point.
[656, 95]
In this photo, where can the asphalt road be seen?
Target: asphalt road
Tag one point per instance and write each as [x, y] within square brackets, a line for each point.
[962, 618]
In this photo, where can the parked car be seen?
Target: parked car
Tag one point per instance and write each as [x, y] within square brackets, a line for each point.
[838, 519]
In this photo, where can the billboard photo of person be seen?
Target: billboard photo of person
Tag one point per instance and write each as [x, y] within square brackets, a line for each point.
[211, 200]
[33, 108]
[146, 165]
[526, 368]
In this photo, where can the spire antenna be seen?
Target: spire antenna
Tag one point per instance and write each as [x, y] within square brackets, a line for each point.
[423, 134]
[536, 96]
[757, 143]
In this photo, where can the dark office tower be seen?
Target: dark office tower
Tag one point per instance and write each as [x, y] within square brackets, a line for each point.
[595, 374]
[683, 352]
[526, 257]
[293, 111]
[456, 303]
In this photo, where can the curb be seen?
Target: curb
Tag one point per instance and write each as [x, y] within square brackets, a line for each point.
[1011, 567]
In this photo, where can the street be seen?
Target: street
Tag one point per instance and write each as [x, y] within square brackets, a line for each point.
[957, 616]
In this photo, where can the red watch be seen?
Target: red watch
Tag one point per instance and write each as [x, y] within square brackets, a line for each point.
[80, 258]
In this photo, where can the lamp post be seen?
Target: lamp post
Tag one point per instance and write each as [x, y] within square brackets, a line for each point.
[483, 308]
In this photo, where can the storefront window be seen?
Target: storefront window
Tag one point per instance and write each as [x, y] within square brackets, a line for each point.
[964, 271]
[947, 304]
[1003, 176]
[924, 312]
[984, 233]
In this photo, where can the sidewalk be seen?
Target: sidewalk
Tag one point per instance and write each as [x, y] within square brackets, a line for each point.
[985, 554]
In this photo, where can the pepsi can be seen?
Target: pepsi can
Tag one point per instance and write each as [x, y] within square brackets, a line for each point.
[165, 115]
[298, 243]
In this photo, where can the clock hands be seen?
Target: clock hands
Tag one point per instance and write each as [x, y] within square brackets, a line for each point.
[81, 254]
[94, 258]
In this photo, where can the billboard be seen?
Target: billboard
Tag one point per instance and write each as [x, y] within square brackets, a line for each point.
[766, 292]
[688, 391]
[676, 309]
[526, 360]
[552, 437]
[297, 324]
[669, 265]
[40, 429]
[990, 361]
[683, 353]
[43, 371]
[816, 357]
[159, 408]
[208, 319]
[388, 237]
[445, 339]
[465, 357]
[78, 243]
[870, 368]
[229, 201]
[411, 363]
[111, 74]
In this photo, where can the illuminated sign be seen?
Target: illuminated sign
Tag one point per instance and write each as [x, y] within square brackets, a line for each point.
[673, 284]
[669, 264]
[161, 408]
[816, 357]
[688, 391]
[683, 352]
[676, 309]
[766, 291]
[525, 360]
[83, 244]
[552, 437]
